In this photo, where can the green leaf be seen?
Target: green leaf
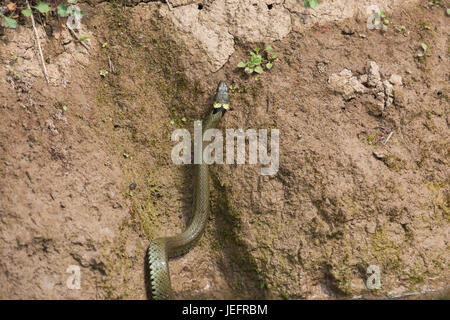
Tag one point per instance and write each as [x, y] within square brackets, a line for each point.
[313, 3]
[242, 64]
[376, 22]
[448, 11]
[382, 14]
[42, 7]
[424, 46]
[183, 119]
[62, 10]
[274, 56]
[269, 65]
[268, 48]
[82, 38]
[257, 59]
[258, 69]
[26, 12]
[64, 108]
[248, 70]
[9, 22]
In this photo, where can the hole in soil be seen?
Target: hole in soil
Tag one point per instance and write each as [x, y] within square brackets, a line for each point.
[270, 6]
[200, 6]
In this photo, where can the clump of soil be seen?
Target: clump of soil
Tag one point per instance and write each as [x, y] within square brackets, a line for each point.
[86, 177]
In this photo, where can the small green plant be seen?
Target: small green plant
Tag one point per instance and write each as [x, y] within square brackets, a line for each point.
[400, 28]
[434, 3]
[383, 20]
[257, 61]
[425, 26]
[64, 104]
[238, 89]
[178, 121]
[311, 3]
[425, 52]
[103, 73]
[64, 9]
[7, 20]
[16, 75]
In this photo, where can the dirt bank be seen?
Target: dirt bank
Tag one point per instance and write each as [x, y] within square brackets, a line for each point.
[86, 177]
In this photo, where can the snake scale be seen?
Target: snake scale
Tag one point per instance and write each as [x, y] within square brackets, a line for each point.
[161, 249]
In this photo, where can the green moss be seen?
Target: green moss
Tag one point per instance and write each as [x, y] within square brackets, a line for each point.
[386, 252]
[284, 295]
[439, 263]
[439, 199]
[249, 276]
[394, 163]
[371, 140]
[416, 279]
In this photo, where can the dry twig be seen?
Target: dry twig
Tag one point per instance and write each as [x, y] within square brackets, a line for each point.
[77, 38]
[38, 43]
[111, 67]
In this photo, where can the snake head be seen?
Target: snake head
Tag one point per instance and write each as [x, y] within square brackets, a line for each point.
[222, 98]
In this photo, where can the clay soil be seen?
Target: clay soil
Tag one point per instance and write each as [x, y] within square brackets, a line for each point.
[86, 177]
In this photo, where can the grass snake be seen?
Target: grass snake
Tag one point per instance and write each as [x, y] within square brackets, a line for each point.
[161, 249]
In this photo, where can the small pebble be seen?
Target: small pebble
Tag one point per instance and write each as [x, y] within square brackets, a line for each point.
[396, 80]
[379, 155]
[133, 186]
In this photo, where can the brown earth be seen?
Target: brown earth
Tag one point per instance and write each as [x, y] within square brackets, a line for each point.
[71, 150]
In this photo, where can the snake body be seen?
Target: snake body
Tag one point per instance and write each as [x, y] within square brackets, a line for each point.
[161, 249]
